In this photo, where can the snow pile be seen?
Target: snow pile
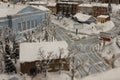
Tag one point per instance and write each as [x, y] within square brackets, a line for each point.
[109, 75]
[110, 50]
[97, 28]
[105, 26]
[31, 51]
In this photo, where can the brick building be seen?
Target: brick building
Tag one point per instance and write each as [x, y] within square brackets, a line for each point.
[67, 8]
[94, 9]
[99, 9]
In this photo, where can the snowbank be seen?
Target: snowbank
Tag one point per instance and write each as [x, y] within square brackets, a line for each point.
[110, 50]
[109, 75]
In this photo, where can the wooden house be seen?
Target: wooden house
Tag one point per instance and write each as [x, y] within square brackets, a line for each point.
[33, 56]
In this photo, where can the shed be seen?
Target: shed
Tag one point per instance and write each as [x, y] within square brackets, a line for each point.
[103, 18]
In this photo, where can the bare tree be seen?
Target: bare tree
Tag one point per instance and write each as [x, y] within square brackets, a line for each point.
[44, 60]
[60, 59]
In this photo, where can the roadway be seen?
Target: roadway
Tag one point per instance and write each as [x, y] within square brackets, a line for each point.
[92, 62]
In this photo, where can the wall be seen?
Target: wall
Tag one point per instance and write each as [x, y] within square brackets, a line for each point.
[53, 66]
[97, 10]
[86, 10]
[36, 17]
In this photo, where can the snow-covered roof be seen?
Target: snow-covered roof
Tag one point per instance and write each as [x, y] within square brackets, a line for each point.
[51, 4]
[109, 75]
[100, 4]
[41, 8]
[37, 3]
[85, 5]
[103, 16]
[82, 17]
[68, 2]
[94, 4]
[30, 51]
[14, 9]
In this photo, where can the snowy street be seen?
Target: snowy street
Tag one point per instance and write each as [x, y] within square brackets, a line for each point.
[95, 62]
[59, 39]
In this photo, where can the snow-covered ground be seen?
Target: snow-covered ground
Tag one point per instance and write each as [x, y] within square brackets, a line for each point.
[83, 29]
[109, 75]
[110, 50]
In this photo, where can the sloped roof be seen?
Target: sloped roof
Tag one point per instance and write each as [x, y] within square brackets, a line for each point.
[30, 51]
[103, 16]
[11, 10]
[82, 17]
[14, 9]
[37, 3]
[51, 4]
[41, 8]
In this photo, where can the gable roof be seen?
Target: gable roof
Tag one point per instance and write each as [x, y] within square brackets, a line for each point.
[30, 51]
[17, 9]
[82, 17]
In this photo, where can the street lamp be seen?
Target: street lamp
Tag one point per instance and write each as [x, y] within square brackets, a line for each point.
[77, 26]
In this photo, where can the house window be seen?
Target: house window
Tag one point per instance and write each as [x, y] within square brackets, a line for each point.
[28, 24]
[24, 25]
[19, 27]
[32, 24]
